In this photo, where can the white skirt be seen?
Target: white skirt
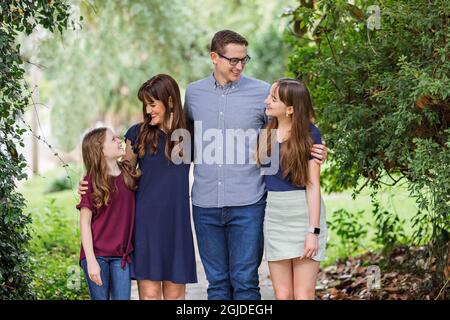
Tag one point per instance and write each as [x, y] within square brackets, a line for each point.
[286, 224]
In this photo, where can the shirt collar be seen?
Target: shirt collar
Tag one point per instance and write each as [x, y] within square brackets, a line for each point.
[231, 85]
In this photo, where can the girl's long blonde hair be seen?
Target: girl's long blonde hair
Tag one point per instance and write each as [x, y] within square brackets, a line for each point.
[96, 168]
[294, 153]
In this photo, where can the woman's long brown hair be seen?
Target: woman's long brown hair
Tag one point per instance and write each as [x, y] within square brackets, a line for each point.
[164, 88]
[294, 153]
[97, 169]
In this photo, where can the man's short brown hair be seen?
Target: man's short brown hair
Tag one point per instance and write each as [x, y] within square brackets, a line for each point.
[224, 37]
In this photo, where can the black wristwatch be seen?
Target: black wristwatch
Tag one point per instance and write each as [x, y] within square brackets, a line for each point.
[314, 230]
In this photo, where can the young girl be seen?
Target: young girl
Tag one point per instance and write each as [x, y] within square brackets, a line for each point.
[295, 229]
[107, 216]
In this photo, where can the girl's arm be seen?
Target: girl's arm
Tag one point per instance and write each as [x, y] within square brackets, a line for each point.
[313, 198]
[130, 155]
[88, 247]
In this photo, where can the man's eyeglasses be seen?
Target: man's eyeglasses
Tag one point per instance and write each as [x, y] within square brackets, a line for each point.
[235, 61]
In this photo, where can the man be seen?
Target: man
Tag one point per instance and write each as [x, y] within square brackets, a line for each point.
[229, 199]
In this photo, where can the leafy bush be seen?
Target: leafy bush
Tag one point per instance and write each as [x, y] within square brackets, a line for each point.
[68, 181]
[55, 252]
[60, 184]
[390, 230]
[17, 17]
[348, 228]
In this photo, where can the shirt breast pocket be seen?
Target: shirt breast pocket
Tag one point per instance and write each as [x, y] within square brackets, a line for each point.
[247, 118]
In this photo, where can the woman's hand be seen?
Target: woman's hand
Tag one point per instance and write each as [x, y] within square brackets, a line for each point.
[94, 272]
[82, 187]
[311, 246]
[319, 152]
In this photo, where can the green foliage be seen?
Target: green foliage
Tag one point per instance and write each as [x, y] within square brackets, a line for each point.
[383, 100]
[270, 56]
[55, 249]
[60, 184]
[390, 230]
[67, 181]
[17, 17]
[349, 227]
[97, 70]
[94, 72]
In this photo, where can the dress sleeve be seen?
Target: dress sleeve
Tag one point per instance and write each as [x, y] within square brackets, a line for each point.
[132, 135]
[315, 136]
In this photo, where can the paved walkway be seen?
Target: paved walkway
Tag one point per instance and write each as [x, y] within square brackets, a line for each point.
[197, 291]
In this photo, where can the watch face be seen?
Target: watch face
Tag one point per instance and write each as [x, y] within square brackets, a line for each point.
[317, 230]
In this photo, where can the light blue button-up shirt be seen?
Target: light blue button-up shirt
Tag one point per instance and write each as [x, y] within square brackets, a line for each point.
[214, 109]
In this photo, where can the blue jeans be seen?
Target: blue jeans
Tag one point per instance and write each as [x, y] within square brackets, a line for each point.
[116, 281]
[230, 242]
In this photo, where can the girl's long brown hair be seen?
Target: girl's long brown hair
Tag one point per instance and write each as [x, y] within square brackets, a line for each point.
[294, 153]
[97, 169]
[164, 88]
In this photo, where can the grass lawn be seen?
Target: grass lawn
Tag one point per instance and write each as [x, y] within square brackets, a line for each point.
[395, 200]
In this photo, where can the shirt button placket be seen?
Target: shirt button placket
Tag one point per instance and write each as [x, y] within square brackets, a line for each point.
[220, 187]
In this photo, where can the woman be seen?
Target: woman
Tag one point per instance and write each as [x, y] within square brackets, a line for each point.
[164, 258]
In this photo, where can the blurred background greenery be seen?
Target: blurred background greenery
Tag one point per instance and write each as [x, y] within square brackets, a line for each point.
[93, 73]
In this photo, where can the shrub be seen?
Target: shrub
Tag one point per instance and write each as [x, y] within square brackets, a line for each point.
[349, 228]
[17, 17]
[55, 249]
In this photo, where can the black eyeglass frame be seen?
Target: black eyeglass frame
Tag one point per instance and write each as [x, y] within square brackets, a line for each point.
[235, 61]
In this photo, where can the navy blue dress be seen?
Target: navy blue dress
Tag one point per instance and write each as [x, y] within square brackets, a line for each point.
[163, 243]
